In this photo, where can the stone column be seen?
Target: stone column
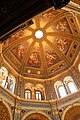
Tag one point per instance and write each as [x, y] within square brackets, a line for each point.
[33, 94]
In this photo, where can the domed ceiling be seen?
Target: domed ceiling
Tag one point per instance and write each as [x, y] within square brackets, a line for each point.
[49, 54]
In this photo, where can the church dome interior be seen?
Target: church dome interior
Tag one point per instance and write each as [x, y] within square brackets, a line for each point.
[40, 67]
[45, 56]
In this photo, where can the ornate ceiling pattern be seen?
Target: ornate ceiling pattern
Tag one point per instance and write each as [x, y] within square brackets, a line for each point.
[49, 55]
[73, 113]
[4, 113]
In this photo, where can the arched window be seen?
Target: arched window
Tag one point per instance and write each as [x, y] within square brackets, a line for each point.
[11, 83]
[27, 94]
[4, 74]
[4, 71]
[5, 82]
[41, 91]
[29, 91]
[60, 89]
[70, 85]
[38, 95]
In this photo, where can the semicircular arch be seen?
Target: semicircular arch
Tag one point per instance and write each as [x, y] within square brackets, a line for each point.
[71, 112]
[36, 112]
[6, 111]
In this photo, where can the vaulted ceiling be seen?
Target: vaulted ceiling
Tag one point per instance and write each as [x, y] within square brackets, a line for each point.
[49, 55]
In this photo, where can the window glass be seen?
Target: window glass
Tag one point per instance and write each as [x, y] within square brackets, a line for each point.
[72, 87]
[12, 85]
[69, 83]
[62, 91]
[28, 94]
[5, 82]
[4, 71]
[11, 80]
[38, 95]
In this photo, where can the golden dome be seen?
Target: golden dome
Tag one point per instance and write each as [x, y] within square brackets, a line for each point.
[48, 55]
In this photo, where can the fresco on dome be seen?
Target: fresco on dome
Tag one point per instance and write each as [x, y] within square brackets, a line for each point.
[17, 35]
[51, 57]
[48, 15]
[34, 59]
[62, 26]
[20, 50]
[63, 45]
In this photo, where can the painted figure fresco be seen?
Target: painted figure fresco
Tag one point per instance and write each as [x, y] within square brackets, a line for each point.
[63, 45]
[34, 59]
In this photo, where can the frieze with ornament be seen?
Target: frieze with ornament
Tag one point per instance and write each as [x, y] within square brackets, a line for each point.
[57, 68]
[36, 105]
[29, 71]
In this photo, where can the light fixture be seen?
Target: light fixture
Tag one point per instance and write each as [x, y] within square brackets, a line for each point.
[39, 34]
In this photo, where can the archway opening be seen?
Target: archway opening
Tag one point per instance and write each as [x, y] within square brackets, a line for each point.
[36, 116]
[72, 113]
